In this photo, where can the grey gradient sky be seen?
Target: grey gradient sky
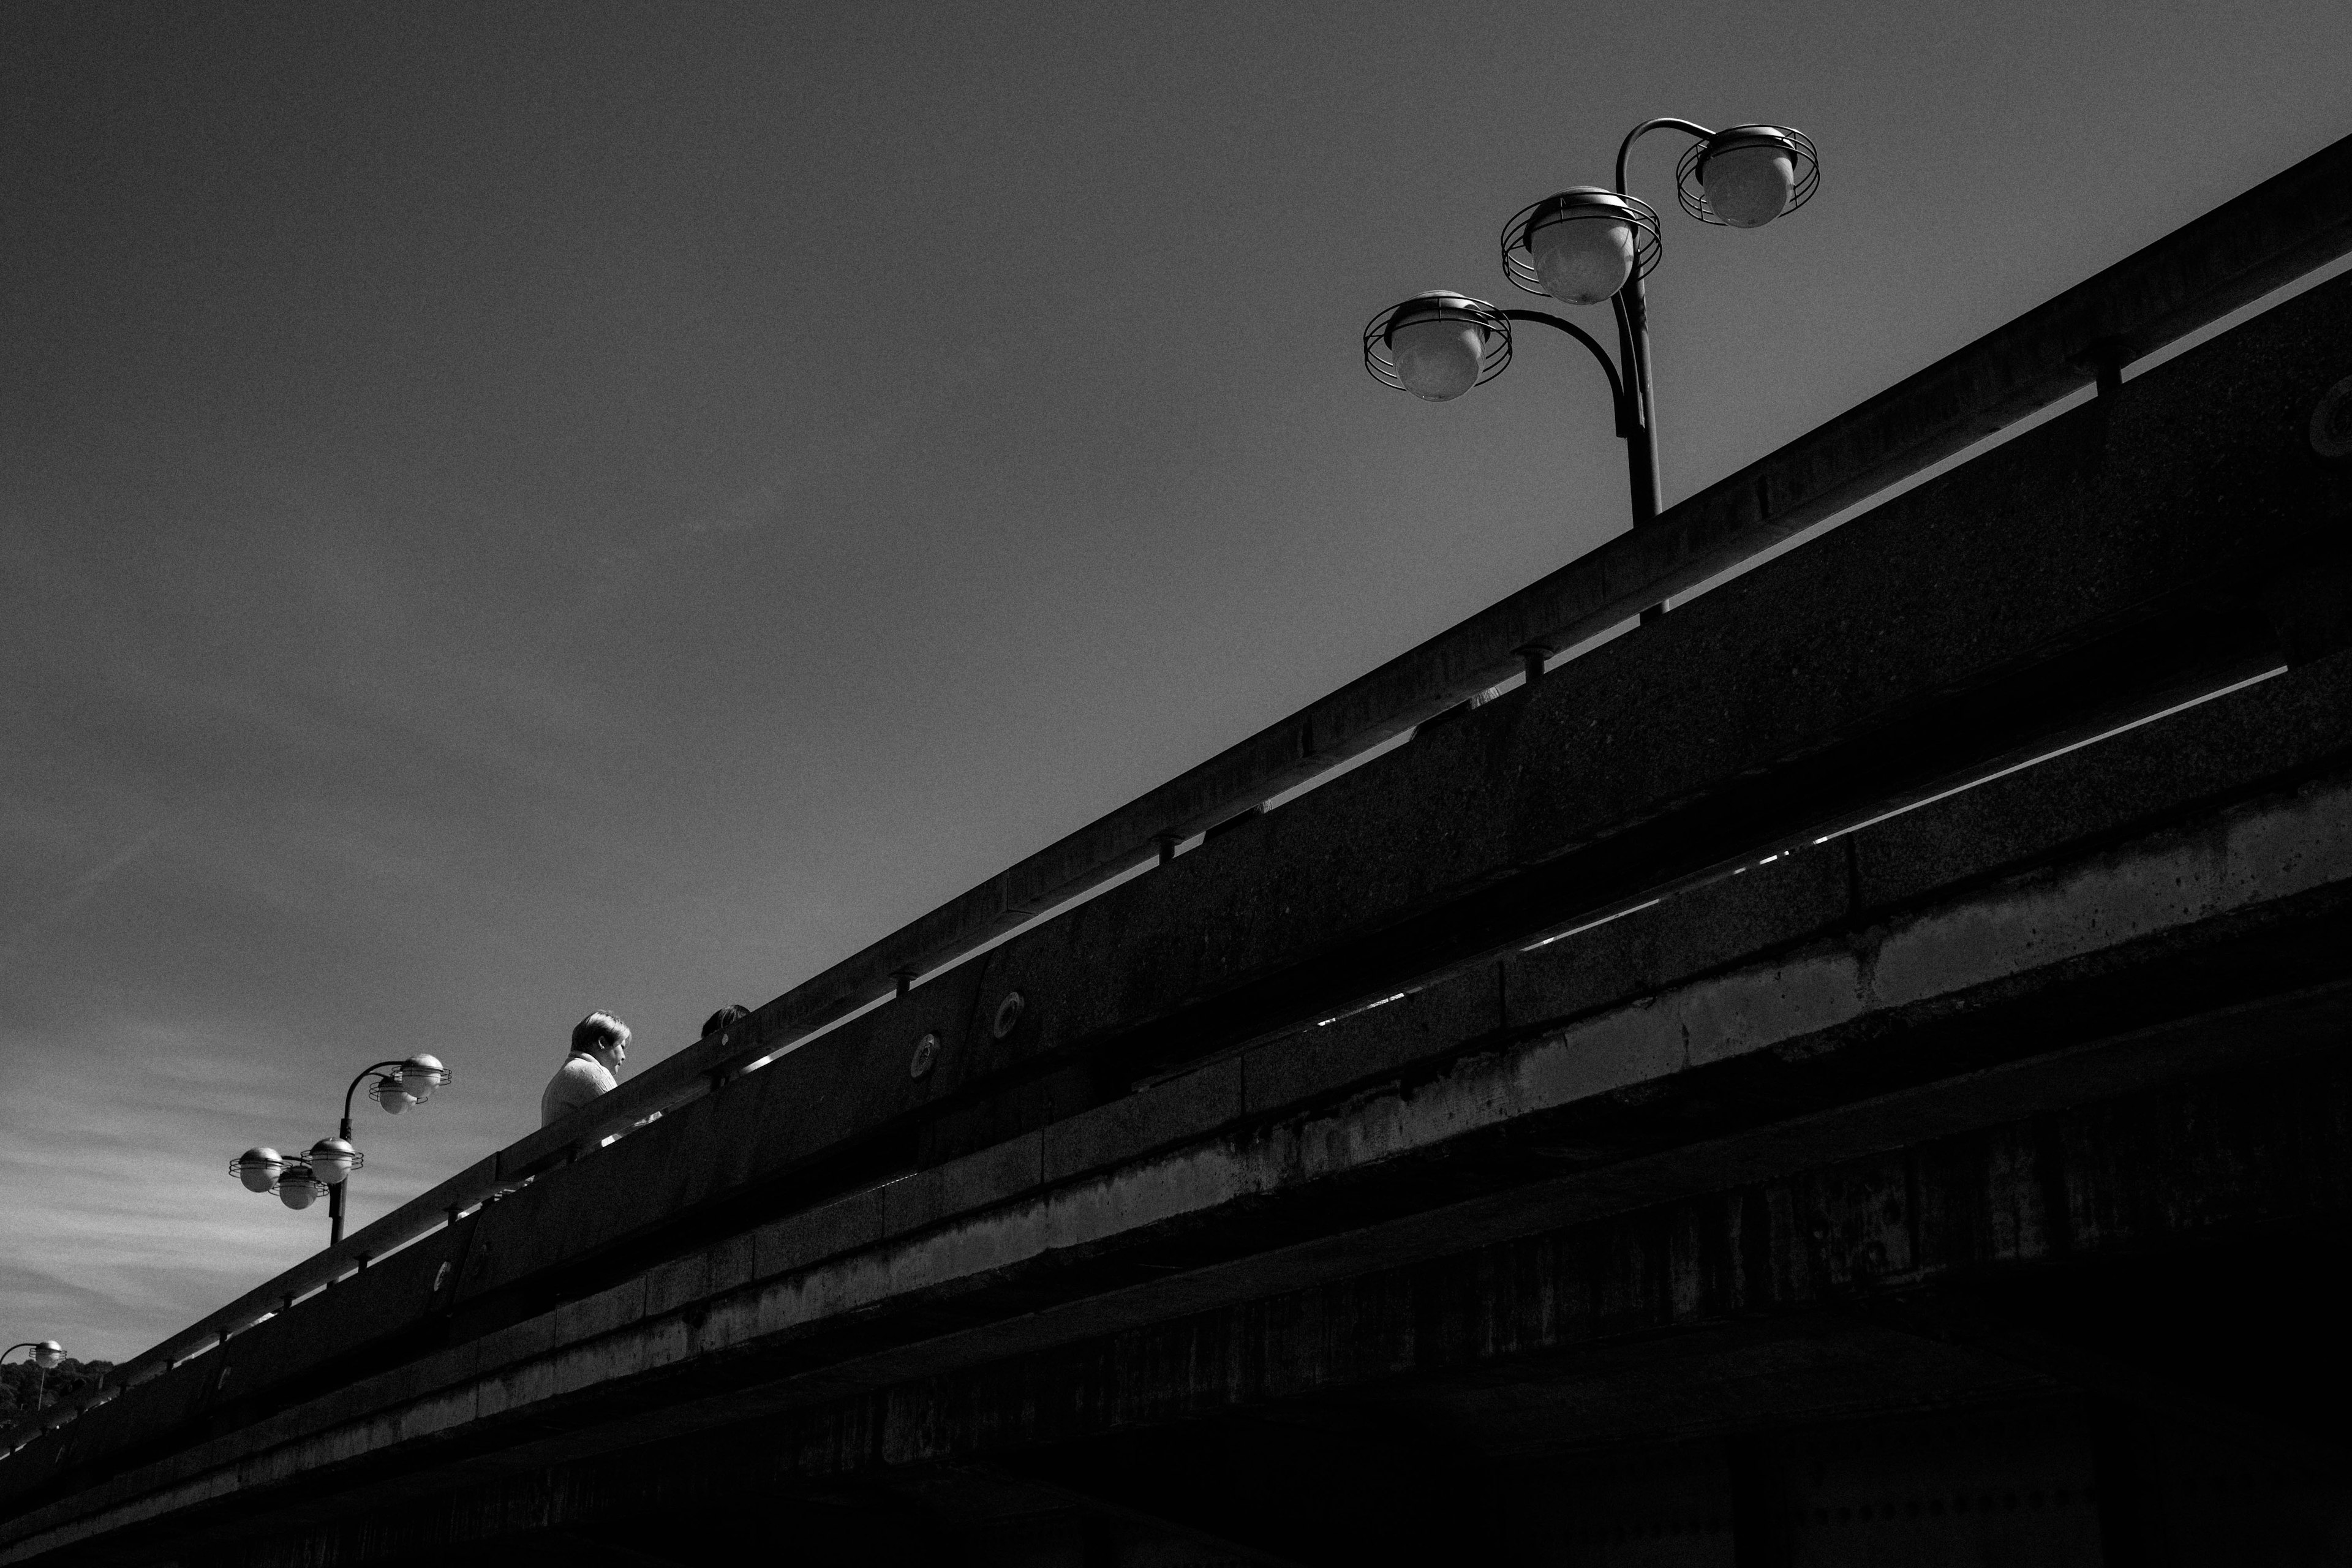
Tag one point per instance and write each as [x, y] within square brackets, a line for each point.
[506, 509]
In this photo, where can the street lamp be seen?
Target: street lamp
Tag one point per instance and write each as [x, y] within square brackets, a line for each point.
[326, 1166]
[1580, 247]
[298, 1179]
[45, 1354]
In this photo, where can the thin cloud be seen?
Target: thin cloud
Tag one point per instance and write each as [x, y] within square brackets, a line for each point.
[122, 1224]
[83, 888]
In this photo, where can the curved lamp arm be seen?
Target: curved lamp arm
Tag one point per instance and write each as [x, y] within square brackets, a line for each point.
[1640, 462]
[335, 1193]
[1629, 354]
[379, 1067]
[1634, 330]
[1688, 127]
[1625, 419]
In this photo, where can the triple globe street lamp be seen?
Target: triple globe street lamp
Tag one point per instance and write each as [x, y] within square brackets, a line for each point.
[298, 1179]
[1580, 247]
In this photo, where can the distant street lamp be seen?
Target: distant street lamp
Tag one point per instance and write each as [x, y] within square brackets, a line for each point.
[45, 1354]
[1584, 245]
[326, 1165]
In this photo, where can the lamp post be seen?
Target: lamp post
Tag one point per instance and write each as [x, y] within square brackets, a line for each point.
[326, 1165]
[1580, 247]
[45, 1354]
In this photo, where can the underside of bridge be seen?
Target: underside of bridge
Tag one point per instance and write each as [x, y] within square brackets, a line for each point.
[2102, 1329]
[1851, 1071]
[2050, 1275]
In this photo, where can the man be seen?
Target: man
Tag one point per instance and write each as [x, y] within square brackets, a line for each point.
[600, 1044]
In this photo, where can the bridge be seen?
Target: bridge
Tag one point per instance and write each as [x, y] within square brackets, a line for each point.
[1850, 1070]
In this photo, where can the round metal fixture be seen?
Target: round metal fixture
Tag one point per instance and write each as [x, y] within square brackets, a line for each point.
[1744, 176]
[392, 1094]
[334, 1159]
[1008, 1014]
[48, 1353]
[2331, 423]
[298, 1187]
[926, 1051]
[1437, 346]
[258, 1169]
[1580, 246]
[421, 1074]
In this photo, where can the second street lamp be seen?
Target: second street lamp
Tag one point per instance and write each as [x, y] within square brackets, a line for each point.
[1582, 246]
[326, 1167]
[46, 1353]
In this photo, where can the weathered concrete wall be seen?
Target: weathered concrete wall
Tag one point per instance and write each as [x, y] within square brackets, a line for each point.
[1218, 1146]
[2284, 726]
[1826, 1247]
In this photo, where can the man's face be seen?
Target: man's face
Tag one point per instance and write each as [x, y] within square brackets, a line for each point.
[613, 1055]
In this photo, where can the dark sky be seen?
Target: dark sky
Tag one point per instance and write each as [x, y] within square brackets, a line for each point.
[507, 509]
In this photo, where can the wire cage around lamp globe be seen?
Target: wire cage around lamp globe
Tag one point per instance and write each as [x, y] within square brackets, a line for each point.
[1744, 176]
[1581, 245]
[297, 1185]
[258, 1169]
[1437, 346]
[421, 1074]
[332, 1160]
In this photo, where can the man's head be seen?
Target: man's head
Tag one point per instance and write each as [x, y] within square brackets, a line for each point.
[724, 1020]
[604, 1037]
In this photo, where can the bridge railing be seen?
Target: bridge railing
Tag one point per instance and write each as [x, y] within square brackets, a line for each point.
[2290, 226]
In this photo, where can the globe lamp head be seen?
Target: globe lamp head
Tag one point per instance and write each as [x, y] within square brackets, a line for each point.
[258, 1168]
[1582, 244]
[331, 1159]
[1439, 347]
[1749, 174]
[420, 1075]
[298, 1188]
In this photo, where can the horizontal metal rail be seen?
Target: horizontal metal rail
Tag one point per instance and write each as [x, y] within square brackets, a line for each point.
[2288, 227]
